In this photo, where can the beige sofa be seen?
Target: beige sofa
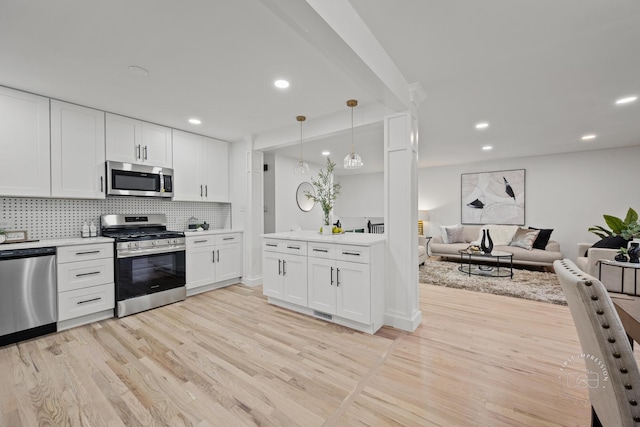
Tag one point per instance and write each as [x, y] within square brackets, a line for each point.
[422, 249]
[536, 257]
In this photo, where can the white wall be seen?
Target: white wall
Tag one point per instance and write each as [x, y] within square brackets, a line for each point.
[270, 193]
[287, 212]
[361, 195]
[566, 192]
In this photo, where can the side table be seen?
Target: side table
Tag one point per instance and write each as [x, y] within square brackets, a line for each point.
[624, 267]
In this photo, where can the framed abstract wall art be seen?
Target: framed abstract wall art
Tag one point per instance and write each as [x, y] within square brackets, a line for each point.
[493, 197]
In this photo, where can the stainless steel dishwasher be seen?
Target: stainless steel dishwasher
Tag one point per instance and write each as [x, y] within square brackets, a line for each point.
[28, 293]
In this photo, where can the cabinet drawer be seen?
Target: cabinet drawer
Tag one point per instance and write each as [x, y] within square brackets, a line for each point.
[82, 274]
[223, 239]
[81, 302]
[352, 253]
[285, 246]
[321, 250]
[84, 252]
[197, 242]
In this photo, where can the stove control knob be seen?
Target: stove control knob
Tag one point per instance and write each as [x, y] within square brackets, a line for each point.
[129, 245]
[175, 241]
[154, 243]
[136, 244]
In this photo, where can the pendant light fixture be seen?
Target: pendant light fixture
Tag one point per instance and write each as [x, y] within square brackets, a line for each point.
[301, 168]
[352, 160]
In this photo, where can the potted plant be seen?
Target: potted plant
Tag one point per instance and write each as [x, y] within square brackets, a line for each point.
[627, 228]
[326, 194]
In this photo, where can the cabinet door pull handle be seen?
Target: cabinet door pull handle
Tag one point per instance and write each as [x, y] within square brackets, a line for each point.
[200, 241]
[87, 253]
[350, 253]
[331, 276]
[200, 190]
[145, 152]
[279, 267]
[206, 190]
[102, 184]
[89, 300]
[273, 245]
[233, 238]
[213, 254]
[284, 264]
[337, 277]
[138, 148]
[320, 250]
[218, 255]
[293, 247]
[87, 274]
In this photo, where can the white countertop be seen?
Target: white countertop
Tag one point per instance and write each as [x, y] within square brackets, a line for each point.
[70, 241]
[210, 232]
[358, 239]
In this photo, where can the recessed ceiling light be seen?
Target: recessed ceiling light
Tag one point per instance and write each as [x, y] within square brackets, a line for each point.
[487, 148]
[138, 71]
[626, 100]
[482, 125]
[588, 137]
[195, 121]
[282, 84]
[326, 153]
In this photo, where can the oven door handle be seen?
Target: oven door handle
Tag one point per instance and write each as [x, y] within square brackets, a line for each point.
[150, 251]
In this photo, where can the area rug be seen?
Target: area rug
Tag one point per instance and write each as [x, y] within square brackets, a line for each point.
[527, 284]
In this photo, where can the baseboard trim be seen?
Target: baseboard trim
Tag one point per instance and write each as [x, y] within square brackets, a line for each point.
[403, 323]
[252, 282]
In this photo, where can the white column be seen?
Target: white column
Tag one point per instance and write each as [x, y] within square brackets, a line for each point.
[254, 221]
[401, 218]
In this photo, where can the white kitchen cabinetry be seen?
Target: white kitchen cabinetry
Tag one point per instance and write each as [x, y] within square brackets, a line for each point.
[24, 144]
[213, 261]
[86, 290]
[135, 141]
[342, 282]
[285, 271]
[201, 168]
[77, 151]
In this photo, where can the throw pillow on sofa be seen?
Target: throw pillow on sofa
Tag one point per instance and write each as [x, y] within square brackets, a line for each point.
[524, 238]
[610, 242]
[455, 234]
[443, 228]
[500, 234]
[543, 237]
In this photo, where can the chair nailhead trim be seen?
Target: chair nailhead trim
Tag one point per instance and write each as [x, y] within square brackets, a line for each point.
[587, 283]
[633, 402]
[600, 311]
[624, 370]
[611, 340]
[617, 355]
[594, 297]
[628, 386]
[636, 418]
[605, 325]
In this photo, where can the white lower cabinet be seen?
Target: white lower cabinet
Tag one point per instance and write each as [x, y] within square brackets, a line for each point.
[86, 290]
[213, 261]
[336, 282]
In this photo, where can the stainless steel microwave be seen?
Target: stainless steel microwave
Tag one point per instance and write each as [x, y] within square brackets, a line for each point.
[126, 179]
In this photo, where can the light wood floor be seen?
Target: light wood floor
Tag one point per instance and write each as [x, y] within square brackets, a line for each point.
[227, 358]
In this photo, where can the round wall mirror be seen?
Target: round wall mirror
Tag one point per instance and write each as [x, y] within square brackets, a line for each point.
[305, 204]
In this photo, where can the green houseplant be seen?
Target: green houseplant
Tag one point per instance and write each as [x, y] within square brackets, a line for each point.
[627, 228]
[326, 191]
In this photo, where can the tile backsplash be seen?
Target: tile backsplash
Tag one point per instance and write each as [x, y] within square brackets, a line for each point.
[62, 218]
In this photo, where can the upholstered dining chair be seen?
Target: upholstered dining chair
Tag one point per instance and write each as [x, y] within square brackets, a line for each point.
[606, 348]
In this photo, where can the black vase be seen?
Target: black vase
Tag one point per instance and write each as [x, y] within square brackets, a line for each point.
[486, 244]
[633, 252]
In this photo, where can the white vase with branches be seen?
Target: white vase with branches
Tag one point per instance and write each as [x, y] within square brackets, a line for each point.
[326, 194]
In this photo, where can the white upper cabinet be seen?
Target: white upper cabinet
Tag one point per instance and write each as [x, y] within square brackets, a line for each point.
[200, 168]
[77, 151]
[135, 141]
[24, 144]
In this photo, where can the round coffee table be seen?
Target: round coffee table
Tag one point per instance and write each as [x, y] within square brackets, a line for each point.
[494, 264]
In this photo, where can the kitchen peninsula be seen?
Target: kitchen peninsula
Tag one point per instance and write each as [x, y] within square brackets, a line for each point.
[338, 278]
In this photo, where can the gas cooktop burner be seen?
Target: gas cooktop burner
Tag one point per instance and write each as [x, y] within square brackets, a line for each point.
[132, 235]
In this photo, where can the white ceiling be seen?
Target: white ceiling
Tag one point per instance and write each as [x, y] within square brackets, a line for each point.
[542, 73]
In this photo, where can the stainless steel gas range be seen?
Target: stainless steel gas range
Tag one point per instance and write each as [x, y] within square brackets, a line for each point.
[149, 262]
